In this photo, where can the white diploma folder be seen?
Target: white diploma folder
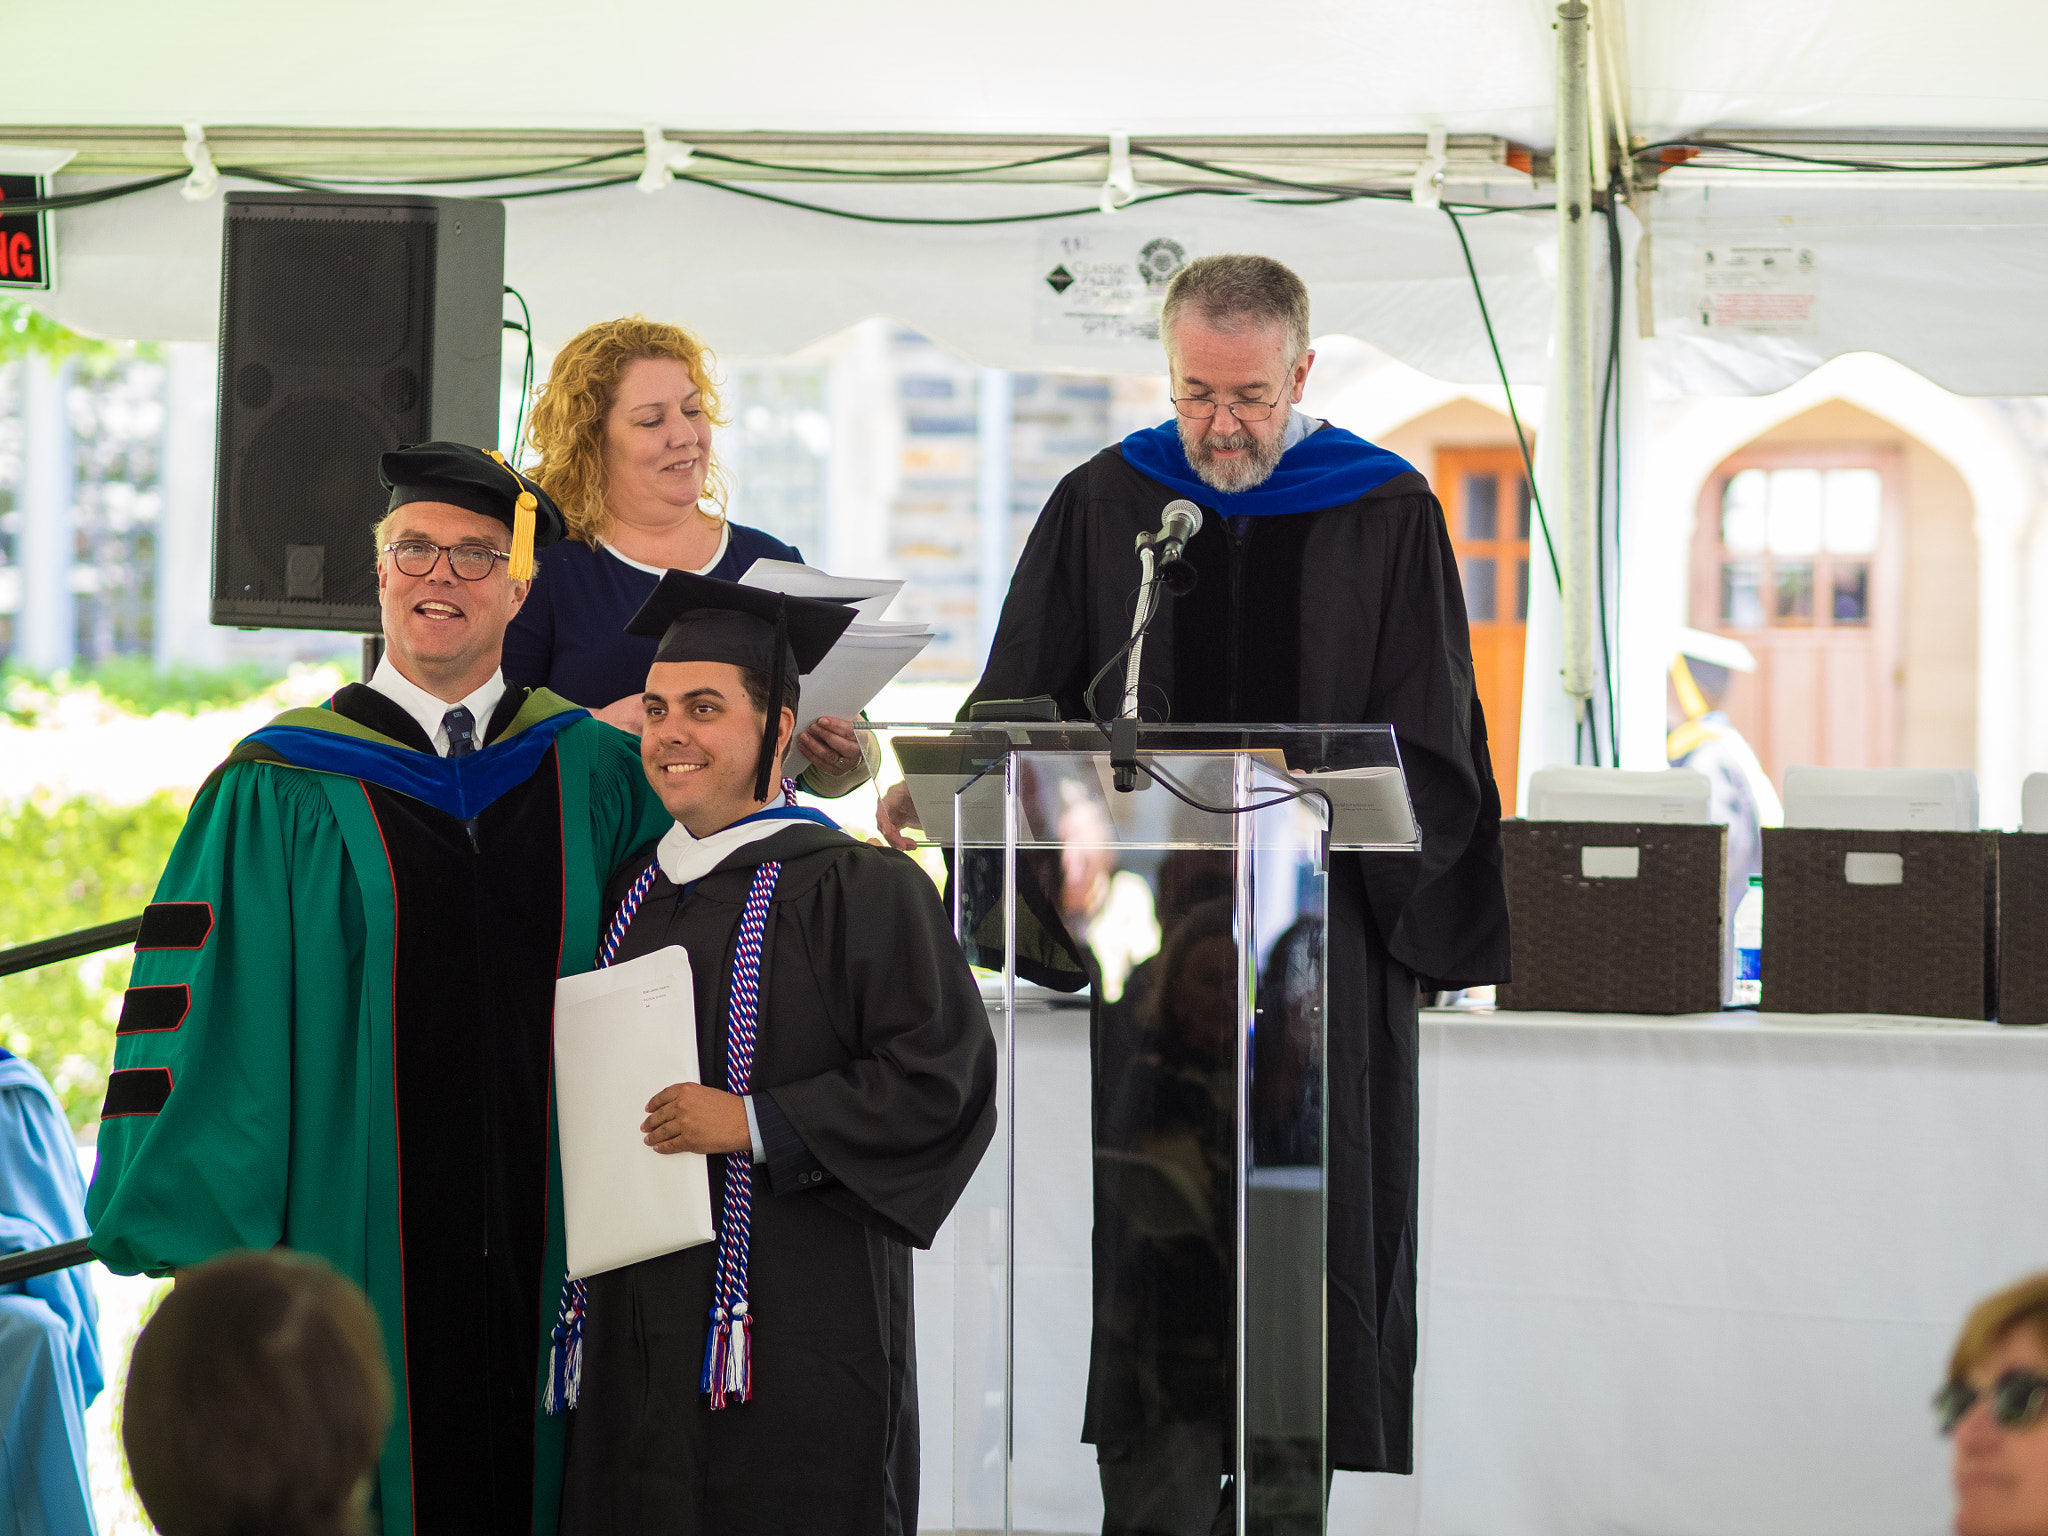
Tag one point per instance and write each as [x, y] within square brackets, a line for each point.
[622, 1035]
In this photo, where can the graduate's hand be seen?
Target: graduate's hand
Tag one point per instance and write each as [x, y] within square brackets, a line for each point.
[688, 1117]
[628, 714]
[831, 746]
[895, 812]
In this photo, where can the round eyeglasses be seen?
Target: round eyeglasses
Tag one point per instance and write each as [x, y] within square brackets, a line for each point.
[1197, 409]
[472, 562]
[2018, 1398]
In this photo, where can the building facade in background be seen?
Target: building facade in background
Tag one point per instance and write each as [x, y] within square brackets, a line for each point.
[877, 453]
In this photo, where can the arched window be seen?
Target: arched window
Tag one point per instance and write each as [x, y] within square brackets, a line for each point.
[1797, 555]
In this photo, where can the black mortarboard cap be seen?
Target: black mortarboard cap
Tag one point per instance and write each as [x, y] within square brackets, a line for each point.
[477, 480]
[698, 618]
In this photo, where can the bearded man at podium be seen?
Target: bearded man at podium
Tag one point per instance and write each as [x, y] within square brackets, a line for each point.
[1328, 593]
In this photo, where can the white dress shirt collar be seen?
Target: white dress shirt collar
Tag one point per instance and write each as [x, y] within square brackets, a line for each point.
[428, 710]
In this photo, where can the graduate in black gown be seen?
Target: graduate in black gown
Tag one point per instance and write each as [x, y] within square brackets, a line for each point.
[1327, 592]
[868, 1102]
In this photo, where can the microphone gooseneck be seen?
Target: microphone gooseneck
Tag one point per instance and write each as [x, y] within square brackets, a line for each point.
[1165, 567]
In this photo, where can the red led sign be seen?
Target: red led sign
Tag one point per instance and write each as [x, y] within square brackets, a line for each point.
[24, 237]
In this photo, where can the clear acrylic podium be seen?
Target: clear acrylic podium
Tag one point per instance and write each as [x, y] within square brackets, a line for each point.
[1124, 1319]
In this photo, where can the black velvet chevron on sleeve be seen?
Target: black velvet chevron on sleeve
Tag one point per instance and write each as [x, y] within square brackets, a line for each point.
[175, 925]
[154, 1010]
[136, 1091]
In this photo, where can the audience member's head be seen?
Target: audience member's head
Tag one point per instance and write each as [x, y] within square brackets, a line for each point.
[257, 1401]
[1995, 1409]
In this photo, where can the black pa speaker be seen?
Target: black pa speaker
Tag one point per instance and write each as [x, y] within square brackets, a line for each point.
[349, 325]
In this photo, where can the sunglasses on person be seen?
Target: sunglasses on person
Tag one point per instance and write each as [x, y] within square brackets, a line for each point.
[2018, 1399]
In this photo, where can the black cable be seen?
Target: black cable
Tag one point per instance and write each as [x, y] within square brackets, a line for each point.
[315, 182]
[1006, 218]
[525, 374]
[1283, 794]
[1088, 693]
[1831, 162]
[1521, 437]
[1609, 392]
[1335, 191]
[1319, 194]
[827, 170]
[64, 200]
[1164, 780]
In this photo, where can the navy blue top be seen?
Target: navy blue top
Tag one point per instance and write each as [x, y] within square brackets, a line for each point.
[571, 635]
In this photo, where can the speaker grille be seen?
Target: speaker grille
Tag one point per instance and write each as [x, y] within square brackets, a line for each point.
[309, 476]
[322, 291]
[326, 347]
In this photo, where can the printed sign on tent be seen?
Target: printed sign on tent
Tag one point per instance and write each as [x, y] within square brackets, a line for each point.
[1105, 286]
[1759, 290]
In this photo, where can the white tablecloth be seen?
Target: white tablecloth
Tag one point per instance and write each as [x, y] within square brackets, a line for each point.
[1680, 1277]
[1701, 1275]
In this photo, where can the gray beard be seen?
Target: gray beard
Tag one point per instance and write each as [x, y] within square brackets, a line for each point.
[1235, 475]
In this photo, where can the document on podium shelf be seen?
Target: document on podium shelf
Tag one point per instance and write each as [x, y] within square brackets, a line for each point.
[1369, 808]
[622, 1034]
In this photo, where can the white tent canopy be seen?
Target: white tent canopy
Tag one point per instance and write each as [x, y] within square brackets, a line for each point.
[1890, 273]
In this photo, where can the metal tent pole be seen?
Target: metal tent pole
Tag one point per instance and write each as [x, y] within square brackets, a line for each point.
[1577, 551]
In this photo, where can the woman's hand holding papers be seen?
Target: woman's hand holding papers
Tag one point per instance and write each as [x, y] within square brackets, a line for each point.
[688, 1117]
[831, 746]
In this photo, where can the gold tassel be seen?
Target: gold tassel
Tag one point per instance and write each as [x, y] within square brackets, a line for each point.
[525, 516]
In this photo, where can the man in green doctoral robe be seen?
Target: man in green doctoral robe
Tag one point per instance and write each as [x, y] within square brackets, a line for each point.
[338, 1033]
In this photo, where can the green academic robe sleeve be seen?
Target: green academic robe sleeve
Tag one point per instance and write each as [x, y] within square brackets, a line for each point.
[246, 977]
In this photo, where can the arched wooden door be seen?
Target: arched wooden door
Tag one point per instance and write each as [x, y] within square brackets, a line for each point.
[1798, 554]
[1486, 502]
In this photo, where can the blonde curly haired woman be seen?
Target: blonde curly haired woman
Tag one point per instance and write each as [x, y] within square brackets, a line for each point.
[623, 427]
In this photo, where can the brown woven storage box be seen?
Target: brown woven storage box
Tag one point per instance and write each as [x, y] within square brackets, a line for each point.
[2023, 928]
[1651, 944]
[1928, 945]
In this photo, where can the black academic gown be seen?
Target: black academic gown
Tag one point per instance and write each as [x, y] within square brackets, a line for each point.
[473, 1172]
[1349, 615]
[874, 1080]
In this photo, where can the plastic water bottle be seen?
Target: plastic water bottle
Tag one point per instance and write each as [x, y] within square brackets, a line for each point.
[1749, 946]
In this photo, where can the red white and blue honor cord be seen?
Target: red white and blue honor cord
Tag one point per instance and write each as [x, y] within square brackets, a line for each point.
[728, 1355]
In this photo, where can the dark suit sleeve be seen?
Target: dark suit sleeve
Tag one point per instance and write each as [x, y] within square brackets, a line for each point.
[792, 1166]
[903, 1123]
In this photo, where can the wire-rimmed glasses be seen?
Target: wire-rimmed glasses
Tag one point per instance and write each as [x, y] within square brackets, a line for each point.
[1196, 408]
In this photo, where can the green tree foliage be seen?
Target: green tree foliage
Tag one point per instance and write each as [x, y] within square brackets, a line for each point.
[68, 864]
[135, 686]
[24, 330]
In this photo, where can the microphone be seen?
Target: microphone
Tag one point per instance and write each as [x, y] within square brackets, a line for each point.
[1179, 522]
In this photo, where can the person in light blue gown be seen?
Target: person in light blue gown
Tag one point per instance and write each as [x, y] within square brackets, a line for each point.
[49, 1326]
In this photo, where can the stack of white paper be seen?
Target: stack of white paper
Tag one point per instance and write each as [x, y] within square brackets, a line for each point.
[622, 1035]
[1882, 799]
[1615, 794]
[866, 658]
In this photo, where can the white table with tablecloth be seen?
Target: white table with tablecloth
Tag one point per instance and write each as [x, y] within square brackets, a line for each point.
[1679, 1276]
